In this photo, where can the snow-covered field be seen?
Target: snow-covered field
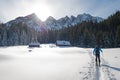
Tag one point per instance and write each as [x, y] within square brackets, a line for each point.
[53, 63]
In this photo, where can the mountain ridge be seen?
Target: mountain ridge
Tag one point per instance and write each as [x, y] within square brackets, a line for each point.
[51, 23]
[24, 30]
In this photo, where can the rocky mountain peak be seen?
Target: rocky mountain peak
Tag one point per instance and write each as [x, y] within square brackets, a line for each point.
[51, 23]
[50, 18]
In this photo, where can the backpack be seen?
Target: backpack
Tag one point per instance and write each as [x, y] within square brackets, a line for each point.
[97, 50]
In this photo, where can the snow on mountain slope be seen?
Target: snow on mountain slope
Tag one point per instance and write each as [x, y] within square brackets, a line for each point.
[73, 20]
[70, 21]
[30, 20]
[51, 23]
[88, 17]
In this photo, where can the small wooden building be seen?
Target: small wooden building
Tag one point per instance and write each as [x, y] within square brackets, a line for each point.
[34, 44]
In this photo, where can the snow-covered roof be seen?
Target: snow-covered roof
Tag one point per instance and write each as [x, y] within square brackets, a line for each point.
[34, 44]
[63, 43]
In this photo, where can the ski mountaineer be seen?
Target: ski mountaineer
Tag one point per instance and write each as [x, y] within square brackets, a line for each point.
[96, 52]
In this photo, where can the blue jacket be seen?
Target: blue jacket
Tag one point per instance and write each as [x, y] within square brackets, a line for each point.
[94, 51]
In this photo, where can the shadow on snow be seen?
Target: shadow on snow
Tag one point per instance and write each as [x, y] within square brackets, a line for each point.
[115, 68]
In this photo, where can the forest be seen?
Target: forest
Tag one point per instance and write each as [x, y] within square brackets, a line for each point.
[87, 34]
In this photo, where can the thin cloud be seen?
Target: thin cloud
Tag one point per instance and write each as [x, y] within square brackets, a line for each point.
[10, 9]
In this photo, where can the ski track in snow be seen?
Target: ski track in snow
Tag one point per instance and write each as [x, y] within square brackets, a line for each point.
[102, 72]
[108, 75]
[56, 63]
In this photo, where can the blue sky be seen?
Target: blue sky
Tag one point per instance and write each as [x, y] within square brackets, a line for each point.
[10, 9]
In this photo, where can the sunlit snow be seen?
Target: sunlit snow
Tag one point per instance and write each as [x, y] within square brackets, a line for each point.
[55, 63]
